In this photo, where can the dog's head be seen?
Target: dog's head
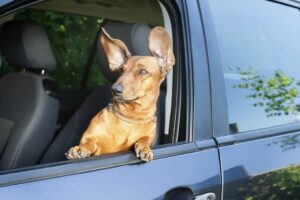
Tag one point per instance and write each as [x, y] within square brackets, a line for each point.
[141, 75]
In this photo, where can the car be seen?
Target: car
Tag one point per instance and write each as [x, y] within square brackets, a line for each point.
[228, 113]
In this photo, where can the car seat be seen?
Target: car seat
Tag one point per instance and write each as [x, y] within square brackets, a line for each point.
[29, 101]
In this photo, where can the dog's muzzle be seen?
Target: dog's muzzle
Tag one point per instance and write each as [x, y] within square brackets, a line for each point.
[117, 89]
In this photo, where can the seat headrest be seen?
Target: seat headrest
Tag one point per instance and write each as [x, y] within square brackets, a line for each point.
[135, 36]
[25, 44]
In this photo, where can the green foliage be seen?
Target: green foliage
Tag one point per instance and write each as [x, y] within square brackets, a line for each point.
[71, 37]
[282, 184]
[276, 94]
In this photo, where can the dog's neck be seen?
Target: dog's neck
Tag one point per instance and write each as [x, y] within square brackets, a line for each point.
[142, 109]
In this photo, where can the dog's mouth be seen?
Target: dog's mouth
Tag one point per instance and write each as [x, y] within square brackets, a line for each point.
[120, 99]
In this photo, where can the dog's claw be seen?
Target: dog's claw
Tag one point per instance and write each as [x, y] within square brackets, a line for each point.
[144, 153]
[76, 152]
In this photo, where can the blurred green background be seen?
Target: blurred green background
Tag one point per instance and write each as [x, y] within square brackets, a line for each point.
[71, 37]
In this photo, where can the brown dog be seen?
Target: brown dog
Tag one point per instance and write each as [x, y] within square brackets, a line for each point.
[130, 118]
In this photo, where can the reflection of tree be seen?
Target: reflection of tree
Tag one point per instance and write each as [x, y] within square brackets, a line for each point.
[281, 184]
[276, 94]
[288, 142]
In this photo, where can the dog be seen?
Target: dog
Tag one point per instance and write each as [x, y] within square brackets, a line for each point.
[129, 120]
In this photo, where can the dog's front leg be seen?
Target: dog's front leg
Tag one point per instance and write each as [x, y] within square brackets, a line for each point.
[143, 150]
[86, 148]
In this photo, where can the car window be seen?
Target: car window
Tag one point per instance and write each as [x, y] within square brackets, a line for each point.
[259, 45]
[70, 43]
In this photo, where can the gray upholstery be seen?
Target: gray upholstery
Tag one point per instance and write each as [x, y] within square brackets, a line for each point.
[25, 45]
[72, 131]
[136, 38]
[31, 114]
[28, 110]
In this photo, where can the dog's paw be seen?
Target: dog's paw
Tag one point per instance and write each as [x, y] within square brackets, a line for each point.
[143, 152]
[77, 152]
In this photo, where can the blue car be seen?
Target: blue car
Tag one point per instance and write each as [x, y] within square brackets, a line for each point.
[228, 114]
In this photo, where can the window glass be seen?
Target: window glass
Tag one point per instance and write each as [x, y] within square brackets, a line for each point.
[4, 2]
[259, 43]
[70, 42]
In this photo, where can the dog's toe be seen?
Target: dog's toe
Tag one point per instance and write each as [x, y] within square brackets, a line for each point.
[72, 153]
[144, 153]
[76, 152]
[83, 153]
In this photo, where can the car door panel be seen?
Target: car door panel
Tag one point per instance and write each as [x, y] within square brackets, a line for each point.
[266, 168]
[198, 171]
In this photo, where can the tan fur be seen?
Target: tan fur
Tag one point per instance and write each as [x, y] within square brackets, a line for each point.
[108, 132]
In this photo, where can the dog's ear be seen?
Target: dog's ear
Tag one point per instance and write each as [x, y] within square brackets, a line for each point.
[116, 51]
[160, 47]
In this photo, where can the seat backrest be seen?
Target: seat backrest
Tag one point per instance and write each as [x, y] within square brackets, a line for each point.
[135, 36]
[28, 99]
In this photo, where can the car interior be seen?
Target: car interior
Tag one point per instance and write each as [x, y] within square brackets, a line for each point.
[40, 116]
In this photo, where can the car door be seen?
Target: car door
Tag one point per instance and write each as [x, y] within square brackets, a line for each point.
[254, 56]
[185, 170]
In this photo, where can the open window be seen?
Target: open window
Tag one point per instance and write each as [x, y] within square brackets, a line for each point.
[80, 84]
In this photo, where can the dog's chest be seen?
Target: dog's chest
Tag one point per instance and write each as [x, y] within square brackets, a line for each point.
[116, 135]
[124, 134]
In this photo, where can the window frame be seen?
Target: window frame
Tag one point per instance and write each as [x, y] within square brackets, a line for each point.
[197, 74]
[219, 99]
[16, 5]
[70, 167]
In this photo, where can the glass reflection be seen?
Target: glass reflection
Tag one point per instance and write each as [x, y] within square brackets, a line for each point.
[278, 96]
[259, 47]
[289, 142]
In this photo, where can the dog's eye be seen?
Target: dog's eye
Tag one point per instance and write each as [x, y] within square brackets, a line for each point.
[143, 72]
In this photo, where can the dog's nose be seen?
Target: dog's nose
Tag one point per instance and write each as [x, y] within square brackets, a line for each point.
[117, 89]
